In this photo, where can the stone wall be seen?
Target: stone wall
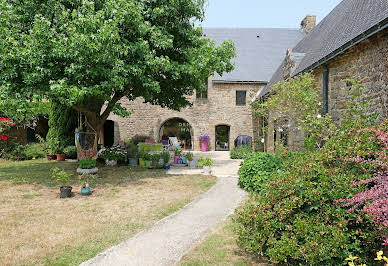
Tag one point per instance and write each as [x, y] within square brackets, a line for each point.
[219, 109]
[367, 60]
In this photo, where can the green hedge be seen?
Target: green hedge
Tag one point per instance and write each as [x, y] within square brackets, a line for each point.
[256, 169]
[241, 152]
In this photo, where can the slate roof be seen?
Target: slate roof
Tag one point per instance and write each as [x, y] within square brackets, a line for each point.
[336, 33]
[344, 23]
[257, 58]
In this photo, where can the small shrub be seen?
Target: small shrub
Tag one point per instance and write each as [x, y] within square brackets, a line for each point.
[165, 156]
[87, 163]
[132, 149]
[34, 151]
[114, 153]
[70, 152]
[241, 152]
[205, 162]
[189, 156]
[257, 168]
[60, 176]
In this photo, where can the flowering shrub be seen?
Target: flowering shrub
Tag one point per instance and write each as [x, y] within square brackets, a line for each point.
[241, 152]
[205, 138]
[115, 153]
[374, 200]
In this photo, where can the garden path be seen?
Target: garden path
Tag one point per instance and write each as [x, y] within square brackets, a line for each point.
[169, 239]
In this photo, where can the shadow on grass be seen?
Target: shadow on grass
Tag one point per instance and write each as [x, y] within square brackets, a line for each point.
[39, 172]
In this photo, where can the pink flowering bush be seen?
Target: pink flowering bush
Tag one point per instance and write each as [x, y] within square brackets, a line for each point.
[374, 199]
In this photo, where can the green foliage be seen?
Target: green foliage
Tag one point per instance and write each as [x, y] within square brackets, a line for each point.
[60, 176]
[34, 151]
[87, 163]
[86, 54]
[132, 149]
[139, 138]
[205, 162]
[178, 152]
[155, 157]
[256, 169]
[294, 217]
[114, 153]
[189, 156]
[62, 122]
[241, 152]
[297, 101]
[70, 152]
[165, 156]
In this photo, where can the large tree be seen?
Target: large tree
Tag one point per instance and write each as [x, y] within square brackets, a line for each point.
[91, 54]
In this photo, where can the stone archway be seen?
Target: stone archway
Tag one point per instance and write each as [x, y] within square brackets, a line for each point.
[180, 128]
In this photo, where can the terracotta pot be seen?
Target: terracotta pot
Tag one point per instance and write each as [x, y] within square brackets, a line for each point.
[61, 157]
[51, 157]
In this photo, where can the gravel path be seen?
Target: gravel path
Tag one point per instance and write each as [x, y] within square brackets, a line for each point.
[169, 239]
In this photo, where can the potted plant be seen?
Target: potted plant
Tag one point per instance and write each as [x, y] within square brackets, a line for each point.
[49, 147]
[190, 159]
[166, 159]
[148, 160]
[62, 178]
[177, 155]
[142, 156]
[112, 155]
[206, 163]
[87, 166]
[85, 189]
[59, 152]
[155, 159]
[204, 140]
[132, 152]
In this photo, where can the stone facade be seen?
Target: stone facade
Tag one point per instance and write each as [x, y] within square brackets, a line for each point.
[367, 61]
[218, 109]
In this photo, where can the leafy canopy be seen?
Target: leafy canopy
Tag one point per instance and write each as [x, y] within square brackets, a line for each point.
[90, 54]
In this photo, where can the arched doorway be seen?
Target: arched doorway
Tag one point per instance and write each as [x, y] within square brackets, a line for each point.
[180, 128]
[222, 138]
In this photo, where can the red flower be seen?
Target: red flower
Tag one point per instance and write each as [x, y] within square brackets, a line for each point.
[4, 137]
[286, 152]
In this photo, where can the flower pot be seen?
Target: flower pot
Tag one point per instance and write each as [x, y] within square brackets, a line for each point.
[110, 162]
[132, 162]
[192, 164]
[148, 163]
[207, 170]
[65, 192]
[203, 146]
[85, 191]
[61, 157]
[141, 162]
[51, 157]
[184, 161]
[154, 163]
[166, 167]
[176, 159]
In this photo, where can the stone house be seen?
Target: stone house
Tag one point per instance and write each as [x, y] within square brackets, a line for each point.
[223, 111]
[350, 43]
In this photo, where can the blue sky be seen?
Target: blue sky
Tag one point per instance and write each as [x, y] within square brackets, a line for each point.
[264, 13]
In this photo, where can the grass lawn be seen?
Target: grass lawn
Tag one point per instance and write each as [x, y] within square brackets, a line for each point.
[38, 228]
[219, 248]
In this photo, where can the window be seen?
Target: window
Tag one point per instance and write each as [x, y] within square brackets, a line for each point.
[241, 98]
[202, 94]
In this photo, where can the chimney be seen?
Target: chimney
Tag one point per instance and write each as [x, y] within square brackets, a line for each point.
[308, 23]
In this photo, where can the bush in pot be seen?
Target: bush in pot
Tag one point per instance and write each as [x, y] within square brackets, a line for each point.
[190, 159]
[132, 153]
[88, 166]
[206, 163]
[155, 159]
[147, 159]
[166, 157]
[113, 155]
[62, 178]
[177, 155]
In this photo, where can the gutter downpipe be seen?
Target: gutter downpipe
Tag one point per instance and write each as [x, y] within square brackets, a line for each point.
[325, 94]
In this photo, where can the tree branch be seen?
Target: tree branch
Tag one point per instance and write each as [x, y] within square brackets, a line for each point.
[82, 109]
[116, 97]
